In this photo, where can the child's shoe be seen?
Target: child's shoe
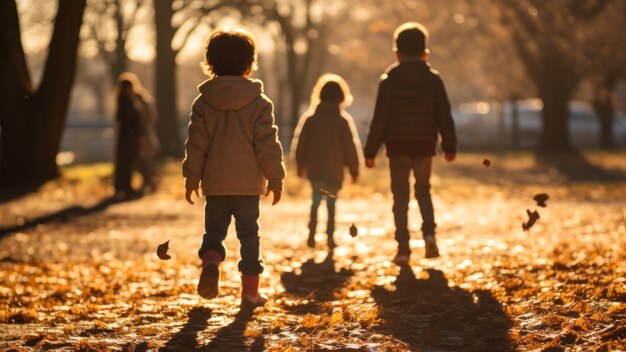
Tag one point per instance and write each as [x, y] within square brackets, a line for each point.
[209, 279]
[250, 302]
[210, 276]
[250, 297]
[430, 245]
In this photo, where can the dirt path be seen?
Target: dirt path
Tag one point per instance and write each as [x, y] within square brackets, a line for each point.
[89, 279]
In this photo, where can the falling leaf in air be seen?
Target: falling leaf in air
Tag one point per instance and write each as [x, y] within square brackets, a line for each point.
[486, 162]
[162, 251]
[541, 199]
[532, 219]
[354, 231]
[328, 193]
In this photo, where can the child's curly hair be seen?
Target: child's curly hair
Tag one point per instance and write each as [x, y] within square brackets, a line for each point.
[230, 52]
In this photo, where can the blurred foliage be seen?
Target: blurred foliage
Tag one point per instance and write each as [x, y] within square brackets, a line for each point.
[472, 43]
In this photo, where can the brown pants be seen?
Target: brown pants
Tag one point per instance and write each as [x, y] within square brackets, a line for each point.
[401, 167]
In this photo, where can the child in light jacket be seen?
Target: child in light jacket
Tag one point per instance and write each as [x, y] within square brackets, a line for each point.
[234, 155]
[326, 143]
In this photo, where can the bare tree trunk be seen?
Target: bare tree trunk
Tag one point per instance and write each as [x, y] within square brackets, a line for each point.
[15, 89]
[167, 125]
[279, 98]
[321, 51]
[33, 121]
[298, 76]
[555, 136]
[294, 85]
[515, 130]
[604, 105]
[556, 80]
[120, 64]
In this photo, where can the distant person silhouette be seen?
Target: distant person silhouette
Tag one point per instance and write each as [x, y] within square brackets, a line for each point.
[232, 152]
[325, 143]
[412, 108]
[137, 143]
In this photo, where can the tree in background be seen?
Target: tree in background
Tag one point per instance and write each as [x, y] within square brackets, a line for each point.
[106, 30]
[607, 53]
[550, 38]
[302, 31]
[108, 25]
[32, 119]
[165, 79]
[191, 13]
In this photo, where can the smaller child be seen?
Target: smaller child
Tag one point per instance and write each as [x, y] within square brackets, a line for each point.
[233, 153]
[326, 141]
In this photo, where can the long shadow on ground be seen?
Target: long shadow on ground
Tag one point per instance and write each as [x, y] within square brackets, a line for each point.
[11, 193]
[426, 314]
[231, 337]
[549, 168]
[317, 279]
[576, 168]
[186, 338]
[67, 213]
[227, 338]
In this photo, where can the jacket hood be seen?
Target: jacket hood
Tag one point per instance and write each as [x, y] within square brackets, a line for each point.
[230, 92]
[409, 73]
[327, 109]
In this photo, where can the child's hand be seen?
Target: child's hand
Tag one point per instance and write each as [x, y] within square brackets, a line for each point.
[369, 163]
[450, 156]
[189, 193]
[276, 192]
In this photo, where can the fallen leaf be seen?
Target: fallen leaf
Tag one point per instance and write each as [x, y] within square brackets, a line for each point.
[310, 321]
[532, 219]
[541, 199]
[328, 193]
[162, 251]
[486, 162]
[354, 231]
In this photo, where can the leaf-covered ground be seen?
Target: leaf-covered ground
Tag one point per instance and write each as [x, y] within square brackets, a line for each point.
[79, 273]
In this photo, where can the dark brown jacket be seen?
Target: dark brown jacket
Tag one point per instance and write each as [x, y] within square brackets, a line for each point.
[412, 108]
[327, 142]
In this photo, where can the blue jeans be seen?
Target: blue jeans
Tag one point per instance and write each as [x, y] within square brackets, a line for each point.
[401, 167]
[217, 216]
[317, 187]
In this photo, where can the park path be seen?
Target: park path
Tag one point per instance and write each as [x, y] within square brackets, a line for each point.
[89, 279]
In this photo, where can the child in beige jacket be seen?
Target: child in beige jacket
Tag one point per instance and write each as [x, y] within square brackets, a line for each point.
[233, 153]
[326, 143]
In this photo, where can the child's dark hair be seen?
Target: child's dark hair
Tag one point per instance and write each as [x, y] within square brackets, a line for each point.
[129, 80]
[411, 39]
[330, 88]
[332, 92]
[230, 52]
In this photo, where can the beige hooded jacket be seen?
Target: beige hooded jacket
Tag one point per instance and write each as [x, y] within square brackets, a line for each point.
[233, 147]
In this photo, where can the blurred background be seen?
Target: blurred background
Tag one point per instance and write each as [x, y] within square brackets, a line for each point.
[534, 75]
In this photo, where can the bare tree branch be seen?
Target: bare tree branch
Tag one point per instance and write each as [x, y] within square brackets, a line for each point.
[587, 10]
[187, 35]
[522, 14]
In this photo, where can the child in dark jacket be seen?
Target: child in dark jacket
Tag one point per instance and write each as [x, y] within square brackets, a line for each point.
[326, 142]
[412, 108]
